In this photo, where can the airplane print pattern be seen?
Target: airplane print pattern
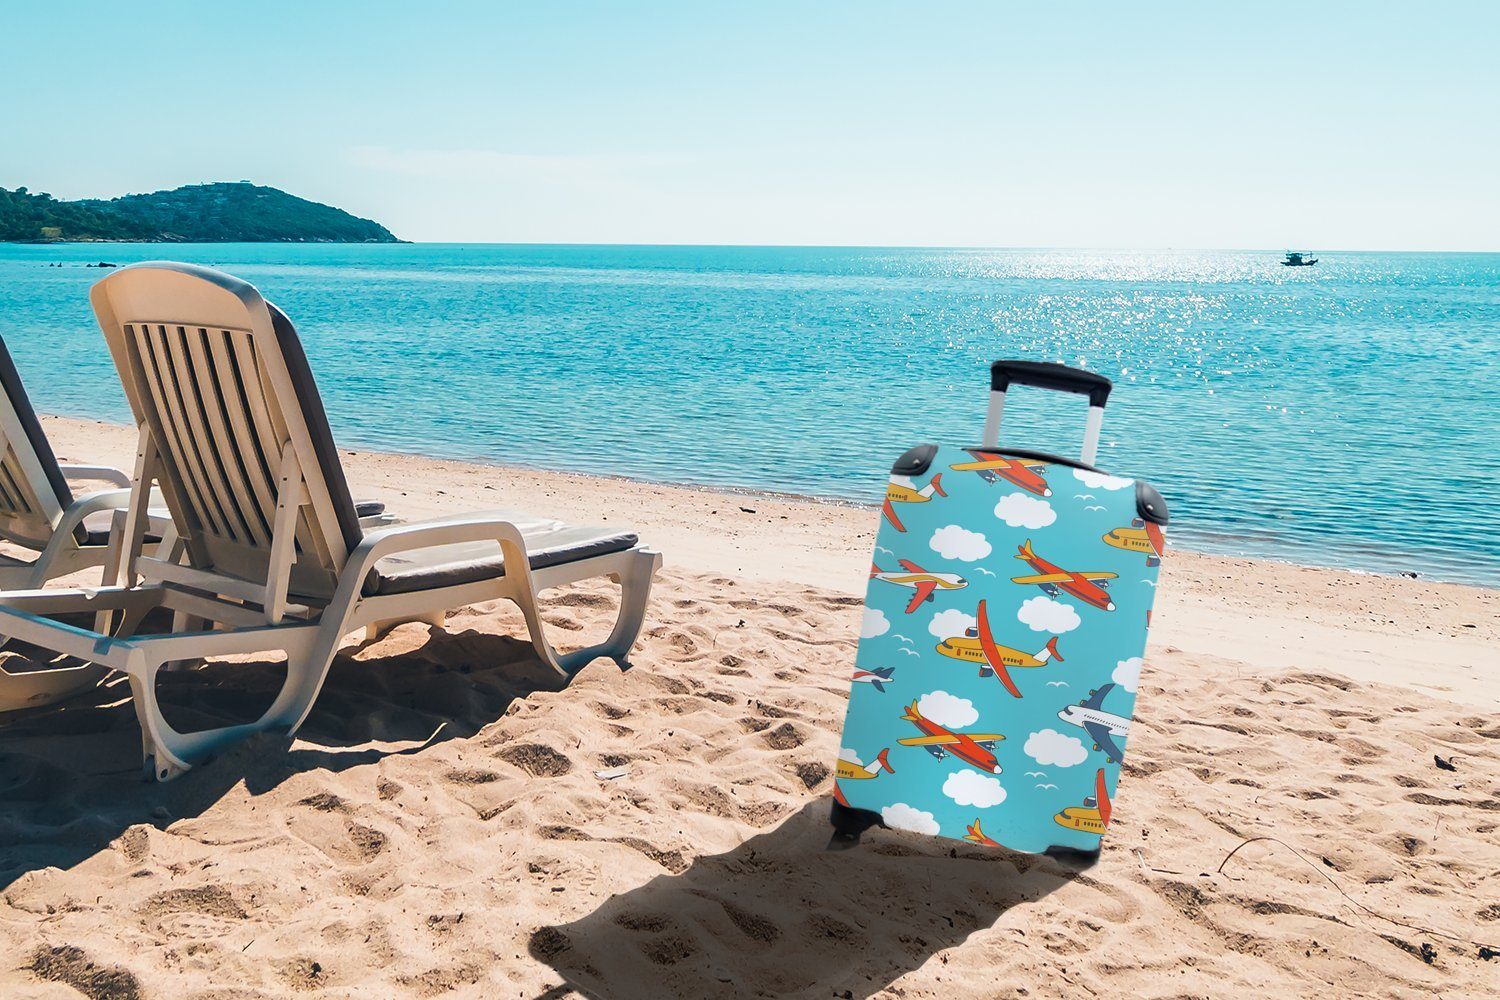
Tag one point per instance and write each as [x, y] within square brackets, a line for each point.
[1000, 652]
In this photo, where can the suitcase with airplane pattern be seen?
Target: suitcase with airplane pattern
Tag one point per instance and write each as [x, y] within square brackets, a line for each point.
[1001, 644]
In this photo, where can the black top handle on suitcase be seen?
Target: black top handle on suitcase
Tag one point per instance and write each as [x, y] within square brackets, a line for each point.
[1048, 375]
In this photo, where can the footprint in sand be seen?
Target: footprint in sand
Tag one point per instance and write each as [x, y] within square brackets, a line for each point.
[336, 836]
[665, 940]
[365, 842]
[71, 966]
[198, 912]
[536, 759]
[583, 599]
[563, 620]
[135, 843]
[785, 737]
[812, 773]
[324, 802]
[672, 861]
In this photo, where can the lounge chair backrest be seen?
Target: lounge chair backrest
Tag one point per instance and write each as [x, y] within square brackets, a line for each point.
[217, 377]
[33, 490]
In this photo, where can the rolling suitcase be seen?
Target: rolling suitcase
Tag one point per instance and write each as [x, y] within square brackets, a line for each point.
[1001, 644]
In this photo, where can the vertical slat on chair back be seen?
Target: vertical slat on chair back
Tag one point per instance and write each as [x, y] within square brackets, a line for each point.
[33, 491]
[217, 375]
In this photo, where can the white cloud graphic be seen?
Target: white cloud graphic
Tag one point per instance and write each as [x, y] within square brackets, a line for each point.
[969, 788]
[874, 623]
[900, 816]
[903, 481]
[947, 624]
[850, 756]
[1021, 511]
[1100, 481]
[954, 542]
[1128, 673]
[1055, 749]
[1044, 614]
[947, 710]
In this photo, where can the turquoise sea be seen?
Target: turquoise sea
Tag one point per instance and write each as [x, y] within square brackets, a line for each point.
[1346, 414]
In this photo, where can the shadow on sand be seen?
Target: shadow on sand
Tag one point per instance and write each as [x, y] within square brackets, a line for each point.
[70, 774]
[782, 916]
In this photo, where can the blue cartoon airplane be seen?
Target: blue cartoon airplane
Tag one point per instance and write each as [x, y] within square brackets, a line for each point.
[1102, 726]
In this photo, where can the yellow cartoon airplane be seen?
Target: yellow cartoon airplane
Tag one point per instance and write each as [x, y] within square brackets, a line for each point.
[848, 770]
[902, 490]
[1093, 815]
[978, 645]
[1142, 537]
[968, 647]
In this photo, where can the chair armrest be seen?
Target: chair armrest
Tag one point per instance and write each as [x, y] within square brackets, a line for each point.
[92, 503]
[479, 527]
[101, 473]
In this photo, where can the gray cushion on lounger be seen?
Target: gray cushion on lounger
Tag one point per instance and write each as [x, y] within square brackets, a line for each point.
[548, 543]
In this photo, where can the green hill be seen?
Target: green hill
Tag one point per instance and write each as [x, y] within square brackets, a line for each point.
[199, 213]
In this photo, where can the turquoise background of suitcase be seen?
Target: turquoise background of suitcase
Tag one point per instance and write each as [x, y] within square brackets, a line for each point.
[1068, 623]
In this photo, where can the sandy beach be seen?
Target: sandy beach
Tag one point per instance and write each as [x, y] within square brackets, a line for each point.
[1310, 805]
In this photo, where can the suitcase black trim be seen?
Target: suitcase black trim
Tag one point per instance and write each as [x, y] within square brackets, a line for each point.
[1149, 504]
[1074, 857]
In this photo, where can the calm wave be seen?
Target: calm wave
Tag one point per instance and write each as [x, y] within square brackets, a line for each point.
[1341, 415]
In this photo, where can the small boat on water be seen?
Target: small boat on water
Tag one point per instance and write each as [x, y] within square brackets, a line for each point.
[1295, 258]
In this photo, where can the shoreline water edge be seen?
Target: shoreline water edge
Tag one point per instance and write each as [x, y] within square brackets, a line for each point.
[1181, 538]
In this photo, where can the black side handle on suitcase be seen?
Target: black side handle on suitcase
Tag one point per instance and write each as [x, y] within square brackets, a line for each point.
[1048, 375]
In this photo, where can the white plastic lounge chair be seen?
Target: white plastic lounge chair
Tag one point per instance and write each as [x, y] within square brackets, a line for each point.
[232, 428]
[38, 511]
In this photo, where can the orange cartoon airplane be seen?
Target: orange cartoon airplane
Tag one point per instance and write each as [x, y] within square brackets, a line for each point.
[1087, 587]
[973, 749]
[1022, 472]
[976, 835]
[923, 582]
[903, 490]
[978, 645]
[1141, 536]
[1093, 815]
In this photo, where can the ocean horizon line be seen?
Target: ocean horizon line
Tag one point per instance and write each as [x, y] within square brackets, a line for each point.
[627, 245]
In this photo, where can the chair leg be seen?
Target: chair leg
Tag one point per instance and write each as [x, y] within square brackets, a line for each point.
[635, 593]
[167, 753]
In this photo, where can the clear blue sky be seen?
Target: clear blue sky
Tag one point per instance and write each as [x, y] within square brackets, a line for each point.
[1326, 124]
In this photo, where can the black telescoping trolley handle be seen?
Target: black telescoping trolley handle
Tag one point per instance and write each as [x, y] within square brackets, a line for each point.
[1048, 375]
